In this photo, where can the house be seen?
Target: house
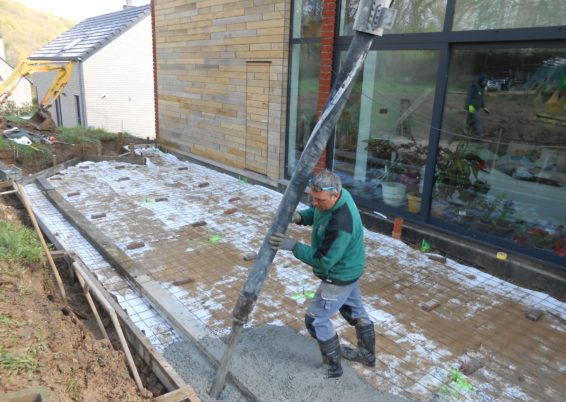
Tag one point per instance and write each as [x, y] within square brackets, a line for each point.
[23, 94]
[240, 86]
[112, 85]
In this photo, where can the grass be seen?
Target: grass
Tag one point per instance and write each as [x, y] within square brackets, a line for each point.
[82, 135]
[14, 363]
[9, 322]
[39, 151]
[7, 328]
[19, 243]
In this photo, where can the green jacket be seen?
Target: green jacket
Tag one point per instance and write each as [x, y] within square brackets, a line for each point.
[336, 253]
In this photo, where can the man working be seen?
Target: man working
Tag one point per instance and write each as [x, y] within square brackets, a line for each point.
[337, 257]
[474, 102]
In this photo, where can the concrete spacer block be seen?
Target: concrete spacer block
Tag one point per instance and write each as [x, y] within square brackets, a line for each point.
[429, 305]
[198, 223]
[534, 314]
[135, 244]
[203, 184]
[230, 211]
[98, 215]
[435, 257]
[184, 281]
[160, 199]
[233, 199]
[74, 193]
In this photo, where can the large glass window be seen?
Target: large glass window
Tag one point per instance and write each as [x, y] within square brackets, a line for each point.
[307, 18]
[382, 136]
[303, 99]
[504, 14]
[412, 16]
[501, 168]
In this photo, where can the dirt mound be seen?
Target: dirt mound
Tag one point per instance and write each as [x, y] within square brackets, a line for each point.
[46, 342]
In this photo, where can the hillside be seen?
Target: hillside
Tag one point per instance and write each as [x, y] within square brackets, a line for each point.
[25, 30]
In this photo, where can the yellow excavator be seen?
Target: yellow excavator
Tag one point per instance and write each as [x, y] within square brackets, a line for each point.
[42, 119]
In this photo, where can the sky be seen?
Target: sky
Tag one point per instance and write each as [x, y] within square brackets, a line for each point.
[79, 10]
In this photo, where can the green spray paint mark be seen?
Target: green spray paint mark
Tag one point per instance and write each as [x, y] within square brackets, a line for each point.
[425, 246]
[460, 380]
[243, 180]
[458, 384]
[214, 239]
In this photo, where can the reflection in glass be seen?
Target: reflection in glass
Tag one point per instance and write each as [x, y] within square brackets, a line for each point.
[307, 18]
[413, 16]
[504, 14]
[303, 98]
[509, 178]
[382, 135]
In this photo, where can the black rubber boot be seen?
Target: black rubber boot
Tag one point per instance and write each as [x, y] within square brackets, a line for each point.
[330, 351]
[365, 352]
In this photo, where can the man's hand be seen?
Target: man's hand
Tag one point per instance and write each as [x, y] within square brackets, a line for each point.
[297, 218]
[284, 242]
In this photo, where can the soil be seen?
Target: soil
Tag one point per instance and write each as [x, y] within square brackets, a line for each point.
[65, 351]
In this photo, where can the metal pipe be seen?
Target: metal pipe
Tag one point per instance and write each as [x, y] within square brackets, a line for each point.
[354, 60]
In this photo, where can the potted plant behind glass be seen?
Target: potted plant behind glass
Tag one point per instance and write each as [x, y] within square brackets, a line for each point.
[457, 170]
[496, 214]
[412, 157]
[393, 192]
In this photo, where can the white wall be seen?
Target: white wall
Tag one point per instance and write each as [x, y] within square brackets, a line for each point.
[118, 83]
[22, 94]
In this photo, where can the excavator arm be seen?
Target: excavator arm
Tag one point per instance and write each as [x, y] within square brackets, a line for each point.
[28, 67]
[42, 119]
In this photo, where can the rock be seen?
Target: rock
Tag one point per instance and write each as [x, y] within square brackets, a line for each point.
[470, 365]
[250, 256]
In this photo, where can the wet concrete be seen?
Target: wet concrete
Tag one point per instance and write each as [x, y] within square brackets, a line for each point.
[275, 364]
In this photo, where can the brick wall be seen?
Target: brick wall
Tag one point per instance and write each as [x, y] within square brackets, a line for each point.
[222, 80]
[326, 59]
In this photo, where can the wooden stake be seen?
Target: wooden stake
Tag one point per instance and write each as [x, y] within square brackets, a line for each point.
[114, 317]
[25, 201]
[92, 305]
